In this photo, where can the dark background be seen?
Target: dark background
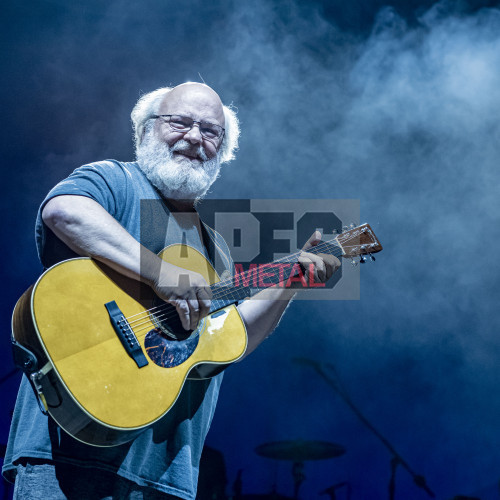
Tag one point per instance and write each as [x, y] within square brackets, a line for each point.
[397, 106]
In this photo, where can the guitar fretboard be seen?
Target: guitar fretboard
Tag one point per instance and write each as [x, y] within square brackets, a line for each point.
[260, 276]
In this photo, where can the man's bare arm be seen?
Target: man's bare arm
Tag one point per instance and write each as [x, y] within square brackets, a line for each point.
[90, 231]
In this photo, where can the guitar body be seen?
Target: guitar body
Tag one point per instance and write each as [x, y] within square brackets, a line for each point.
[90, 385]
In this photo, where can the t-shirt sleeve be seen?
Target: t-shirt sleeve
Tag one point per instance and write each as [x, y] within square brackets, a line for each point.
[104, 182]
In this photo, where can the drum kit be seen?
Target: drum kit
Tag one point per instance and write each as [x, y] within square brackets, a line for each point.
[297, 452]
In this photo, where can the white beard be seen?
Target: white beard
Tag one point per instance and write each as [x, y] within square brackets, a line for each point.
[176, 180]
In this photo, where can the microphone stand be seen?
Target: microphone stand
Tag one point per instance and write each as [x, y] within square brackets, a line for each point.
[396, 459]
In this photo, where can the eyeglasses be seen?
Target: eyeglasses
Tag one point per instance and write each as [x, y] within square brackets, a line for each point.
[210, 131]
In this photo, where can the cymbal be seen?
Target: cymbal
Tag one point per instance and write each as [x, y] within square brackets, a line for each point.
[299, 450]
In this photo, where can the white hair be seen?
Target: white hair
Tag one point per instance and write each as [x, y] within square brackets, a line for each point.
[149, 105]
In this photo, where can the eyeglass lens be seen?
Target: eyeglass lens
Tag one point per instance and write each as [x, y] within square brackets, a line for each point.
[184, 123]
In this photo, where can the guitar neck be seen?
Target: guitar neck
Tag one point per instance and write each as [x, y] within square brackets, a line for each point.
[261, 276]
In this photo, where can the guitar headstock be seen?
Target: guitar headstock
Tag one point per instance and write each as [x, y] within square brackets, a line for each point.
[359, 241]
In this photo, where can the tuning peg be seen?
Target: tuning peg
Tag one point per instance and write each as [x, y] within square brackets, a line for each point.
[345, 228]
[372, 258]
[334, 232]
[354, 263]
[352, 225]
[362, 259]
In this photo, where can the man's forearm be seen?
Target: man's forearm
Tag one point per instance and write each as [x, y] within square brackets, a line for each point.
[263, 312]
[90, 231]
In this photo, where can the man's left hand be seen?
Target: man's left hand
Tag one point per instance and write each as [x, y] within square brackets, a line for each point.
[323, 265]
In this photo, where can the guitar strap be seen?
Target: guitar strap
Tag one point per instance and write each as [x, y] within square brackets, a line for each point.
[219, 259]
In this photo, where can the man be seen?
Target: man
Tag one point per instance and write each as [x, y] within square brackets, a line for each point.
[182, 136]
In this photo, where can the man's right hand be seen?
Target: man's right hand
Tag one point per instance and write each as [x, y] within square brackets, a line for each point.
[188, 291]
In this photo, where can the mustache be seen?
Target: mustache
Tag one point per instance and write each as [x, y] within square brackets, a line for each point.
[185, 147]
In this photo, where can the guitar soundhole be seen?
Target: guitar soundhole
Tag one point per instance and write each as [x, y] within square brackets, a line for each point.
[168, 344]
[165, 318]
[168, 353]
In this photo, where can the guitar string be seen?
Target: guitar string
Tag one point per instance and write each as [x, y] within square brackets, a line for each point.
[229, 282]
[217, 295]
[166, 316]
[170, 311]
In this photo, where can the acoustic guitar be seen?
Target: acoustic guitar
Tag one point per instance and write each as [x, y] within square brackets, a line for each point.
[107, 358]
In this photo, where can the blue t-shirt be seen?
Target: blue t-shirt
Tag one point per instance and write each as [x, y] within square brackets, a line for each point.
[166, 455]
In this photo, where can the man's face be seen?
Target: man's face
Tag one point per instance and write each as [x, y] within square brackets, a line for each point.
[199, 103]
[183, 165]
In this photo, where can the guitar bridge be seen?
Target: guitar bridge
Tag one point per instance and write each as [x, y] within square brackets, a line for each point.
[125, 334]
